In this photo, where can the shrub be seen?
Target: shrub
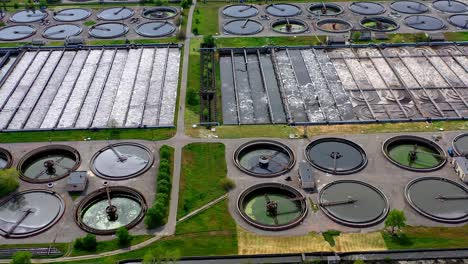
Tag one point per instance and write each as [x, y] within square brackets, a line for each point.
[156, 215]
[356, 36]
[165, 152]
[330, 235]
[123, 237]
[192, 97]
[227, 184]
[87, 243]
[164, 166]
[209, 41]
[21, 257]
[15, 5]
[195, 31]
[185, 3]
[158, 3]
[8, 181]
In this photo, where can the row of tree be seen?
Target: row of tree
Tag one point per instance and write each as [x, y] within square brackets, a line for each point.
[157, 214]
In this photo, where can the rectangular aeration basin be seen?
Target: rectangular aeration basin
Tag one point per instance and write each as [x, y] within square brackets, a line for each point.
[91, 87]
[346, 84]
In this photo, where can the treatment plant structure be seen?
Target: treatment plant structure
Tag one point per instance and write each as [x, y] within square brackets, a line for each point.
[101, 105]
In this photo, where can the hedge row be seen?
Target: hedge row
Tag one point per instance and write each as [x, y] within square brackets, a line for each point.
[157, 214]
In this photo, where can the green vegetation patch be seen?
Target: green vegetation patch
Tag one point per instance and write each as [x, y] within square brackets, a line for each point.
[109, 245]
[89, 23]
[215, 218]
[77, 135]
[203, 168]
[330, 235]
[269, 41]
[158, 212]
[8, 181]
[416, 237]
[205, 18]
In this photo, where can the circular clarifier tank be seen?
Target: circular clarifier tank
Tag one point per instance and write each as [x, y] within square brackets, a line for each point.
[409, 7]
[30, 212]
[115, 13]
[28, 16]
[325, 9]
[449, 6]
[353, 203]
[240, 11]
[155, 29]
[104, 211]
[61, 31]
[160, 12]
[122, 161]
[283, 10]
[264, 158]
[289, 26]
[272, 206]
[414, 153]
[460, 21]
[242, 27]
[381, 24]
[48, 163]
[72, 14]
[422, 22]
[16, 32]
[334, 25]
[439, 199]
[460, 144]
[367, 8]
[108, 30]
[5, 159]
[336, 156]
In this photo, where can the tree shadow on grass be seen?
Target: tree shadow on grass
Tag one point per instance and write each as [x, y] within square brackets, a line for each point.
[401, 239]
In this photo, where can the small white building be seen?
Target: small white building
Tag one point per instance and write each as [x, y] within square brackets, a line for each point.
[460, 164]
[306, 176]
[77, 181]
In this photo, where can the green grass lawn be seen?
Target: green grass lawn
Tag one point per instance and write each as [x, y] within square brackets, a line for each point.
[456, 36]
[210, 233]
[429, 237]
[269, 41]
[110, 245]
[78, 135]
[205, 18]
[203, 166]
[215, 218]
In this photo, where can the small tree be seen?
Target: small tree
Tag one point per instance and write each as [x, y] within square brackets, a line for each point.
[356, 36]
[209, 41]
[21, 257]
[8, 181]
[123, 237]
[158, 3]
[165, 152]
[88, 243]
[395, 221]
[227, 184]
[195, 31]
